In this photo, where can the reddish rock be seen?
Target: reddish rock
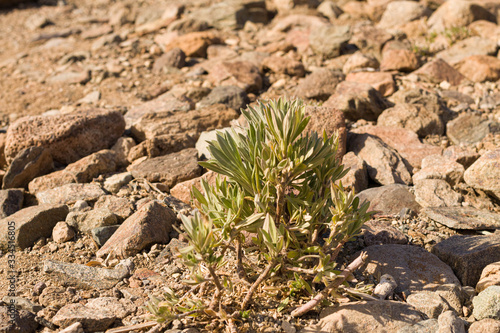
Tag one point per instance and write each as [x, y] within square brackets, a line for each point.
[284, 65]
[461, 154]
[62, 232]
[470, 128]
[436, 193]
[406, 142]
[151, 224]
[182, 191]
[82, 171]
[30, 224]
[490, 276]
[3, 138]
[479, 68]
[357, 176]
[68, 137]
[458, 14]
[121, 207]
[359, 61]
[243, 74]
[384, 164]
[438, 70]
[370, 39]
[439, 167]
[400, 12]
[488, 325]
[468, 47]
[381, 81]
[190, 123]
[357, 101]
[169, 169]
[193, 44]
[390, 199]
[414, 117]
[10, 201]
[69, 194]
[330, 120]
[379, 232]
[122, 148]
[92, 320]
[399, 60]
[26, 166]
[320, 84]
[484, 174]
[174, 58]
[161, 145]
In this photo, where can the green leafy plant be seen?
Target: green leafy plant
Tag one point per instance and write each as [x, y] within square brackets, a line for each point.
[277, 207]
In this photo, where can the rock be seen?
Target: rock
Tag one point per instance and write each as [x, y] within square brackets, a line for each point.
[62, 232]
[457, 14]
[81, 171]
[161, 145]
[283, 65]
[428, 302]
[327, 40]
[29, 224]
[68, 137]
[115, 182]
[470, 128]
[70, 77]
[92, 320]
[439, 167]
[490, 276]
[27, 165]
[461, 154]
[86, 221]
[389, 199]
[431, 101]
[329, 9]
[330, 120]
[384, 164]
[436, 193]
[479, 68]
[169, 169]
[122, 148]
[437, 71]
[357, 176]
[468, 47]
[463, 218]
[232, 96]
[468, 255]
[73, 328]
[413, 268]
[193, 44]
[413, 117]
[484, 174]
[487, 325]
[101, 234]
[405, 141]
[450, 323]
[11, 201]
[174, 58]
[320, 84]
[399, 60]
[70, 193]
[86, 277]
[381, 81]
[375, 316]
[377, 232]
[357, 101]
[424, 326]
[151, 224]
[120, 308]
[370, 39]
[191, 123]
[400, 12]
[242, 74]
[182, 190]
[20, 321]
[359, 61]
[487, 304]
[207, 136]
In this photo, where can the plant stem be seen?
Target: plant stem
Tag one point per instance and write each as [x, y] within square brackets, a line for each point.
[358, 262]
[218, 285]
[239, 261]
[259, 280]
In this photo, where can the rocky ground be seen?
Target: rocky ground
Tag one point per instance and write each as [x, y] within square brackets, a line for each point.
[106, 106]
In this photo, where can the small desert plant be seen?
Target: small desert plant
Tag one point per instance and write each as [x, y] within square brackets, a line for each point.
[278, 216]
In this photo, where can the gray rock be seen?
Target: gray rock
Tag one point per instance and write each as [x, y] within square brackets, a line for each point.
[92, 320]
[440, 167]
[412, 267]
[358, 101]
[120, 308]
[414, 117]
[463, 218]
[22, 303]
[450, 323]
[383, 163]
[460, 154]
[327, 40]
[101, 234]
[10, 201]
[390, 199]
[169, 169]
[436, 193]
[121, 207]
[428, 302]
[232, 96]
[320, 84]
[382, 232]
[122, 148]
[424, 326]
[86, 277]
[86, 221]
[457, 14]
[484, 174]
[376, 316]
[173, 58]
[430, 101]
[24, 321]
[401, 12]
[28, 164]
[151, 224]
[115, 182]
[29, 224]
[474, 45]
[70, 193]
[487, 304]
[470, 129]
[468, 255]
